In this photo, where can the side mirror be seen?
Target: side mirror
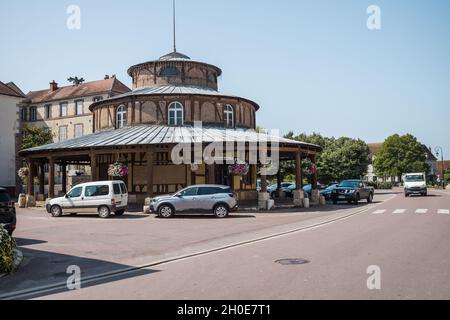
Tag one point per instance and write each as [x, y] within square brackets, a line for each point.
[66, 196]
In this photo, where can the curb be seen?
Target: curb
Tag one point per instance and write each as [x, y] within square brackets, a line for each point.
[18, 258]
[180, 257]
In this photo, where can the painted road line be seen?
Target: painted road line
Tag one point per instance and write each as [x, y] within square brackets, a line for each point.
[443, 211]
[379, 211]
[399, 211]
[421, 211]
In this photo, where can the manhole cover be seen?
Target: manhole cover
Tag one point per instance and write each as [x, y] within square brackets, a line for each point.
[288, 262]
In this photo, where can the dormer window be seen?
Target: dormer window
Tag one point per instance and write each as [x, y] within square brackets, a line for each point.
[229, 116]
[169, 72]
[176, 114]
[121, 117]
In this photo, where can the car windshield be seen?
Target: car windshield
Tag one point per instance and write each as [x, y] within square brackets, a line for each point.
[415, 178]
[349, 184]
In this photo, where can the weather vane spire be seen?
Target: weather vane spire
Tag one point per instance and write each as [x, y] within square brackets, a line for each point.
[174, 28]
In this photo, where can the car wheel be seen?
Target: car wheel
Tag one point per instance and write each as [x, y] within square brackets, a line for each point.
[166, 211]
[104, 212]
[370, 198]
[356, 201]
[119, 213]
[56, 211]
[221, 211]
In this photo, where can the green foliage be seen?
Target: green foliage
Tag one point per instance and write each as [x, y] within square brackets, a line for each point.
[7, 245]
[35, 137]
[381, 185]
[342, 158]
[399, 155]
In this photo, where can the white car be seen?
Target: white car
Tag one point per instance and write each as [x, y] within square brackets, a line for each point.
[102, 197]
[415, 183]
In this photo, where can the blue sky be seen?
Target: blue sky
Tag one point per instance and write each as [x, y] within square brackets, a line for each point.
[311, 65]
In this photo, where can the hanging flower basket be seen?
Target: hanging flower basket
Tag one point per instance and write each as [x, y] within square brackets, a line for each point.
[239, 169]
[23, 172]
[118, 170]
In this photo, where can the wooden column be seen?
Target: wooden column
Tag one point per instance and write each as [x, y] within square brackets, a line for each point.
[263, 184]
[150, 181]
[51, 178]
[31, 176]
[298, 171]
[64, 177]
[94, 169]
[314, 176]
[41, 178]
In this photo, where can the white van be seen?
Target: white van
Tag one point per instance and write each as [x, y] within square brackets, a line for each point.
[102, 197]
[415, 183]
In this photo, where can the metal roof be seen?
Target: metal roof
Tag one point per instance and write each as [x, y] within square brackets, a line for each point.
[154, 134]
[173, 90]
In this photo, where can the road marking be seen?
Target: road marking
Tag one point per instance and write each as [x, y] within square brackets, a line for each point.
[50, 288]
[443, 211]
[421, 210]
[400, 211]
[379, 211]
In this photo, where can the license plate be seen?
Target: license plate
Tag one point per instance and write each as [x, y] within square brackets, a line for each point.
[341, 197]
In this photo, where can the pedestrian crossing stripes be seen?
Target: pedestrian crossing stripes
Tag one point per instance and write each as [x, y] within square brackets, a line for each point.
[416, 211]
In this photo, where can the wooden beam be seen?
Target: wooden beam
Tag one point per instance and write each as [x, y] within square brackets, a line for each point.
[150, 180]
[51, 178]
[298, 171]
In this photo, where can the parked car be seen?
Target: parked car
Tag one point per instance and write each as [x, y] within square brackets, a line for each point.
[328, 190]
[307, 189]
[258, 185]
[352, 191]
[274, 188]
[103, 198]
[215, 199]
[7, 212]
[415, 183]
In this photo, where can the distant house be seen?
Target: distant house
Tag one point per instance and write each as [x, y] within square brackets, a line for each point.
[442, 164]
[10, 99]
[374, 149]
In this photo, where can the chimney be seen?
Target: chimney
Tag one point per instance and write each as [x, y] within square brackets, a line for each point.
[53, 86]
[106, 77]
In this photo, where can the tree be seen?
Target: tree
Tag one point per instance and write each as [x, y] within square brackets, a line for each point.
[35, 137]
[399, 155]
[342, 158]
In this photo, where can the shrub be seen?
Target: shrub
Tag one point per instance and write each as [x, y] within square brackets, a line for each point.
[381, 185]
[7, 245]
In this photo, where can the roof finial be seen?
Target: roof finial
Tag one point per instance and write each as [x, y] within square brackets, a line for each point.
[174, 28]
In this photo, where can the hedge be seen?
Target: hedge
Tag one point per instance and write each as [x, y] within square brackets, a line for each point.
[381, 185]
[7, 245]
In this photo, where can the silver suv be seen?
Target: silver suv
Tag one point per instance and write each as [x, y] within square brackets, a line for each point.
[219, 200]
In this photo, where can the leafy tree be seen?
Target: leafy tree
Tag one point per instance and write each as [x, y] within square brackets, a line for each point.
[35, 137]
[342, 158]
[399, 155]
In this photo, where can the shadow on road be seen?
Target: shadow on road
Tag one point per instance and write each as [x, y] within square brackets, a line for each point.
[94, 216]
[206, 217]
[42, 268]
[28, 242]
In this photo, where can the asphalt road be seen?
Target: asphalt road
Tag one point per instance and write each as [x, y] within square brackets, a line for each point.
[408, 239]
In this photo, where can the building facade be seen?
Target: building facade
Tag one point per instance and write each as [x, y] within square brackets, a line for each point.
[10, 99]
[65, 110]
[140, 129]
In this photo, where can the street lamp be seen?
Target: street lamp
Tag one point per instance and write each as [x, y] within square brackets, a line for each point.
[438, 151]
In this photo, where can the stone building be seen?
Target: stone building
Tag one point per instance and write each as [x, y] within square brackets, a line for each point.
[10, 99]
[141, 129]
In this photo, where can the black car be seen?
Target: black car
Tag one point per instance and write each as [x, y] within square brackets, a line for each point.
[352, 191]
[7, 211]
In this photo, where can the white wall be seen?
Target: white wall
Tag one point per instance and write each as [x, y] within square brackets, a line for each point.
[8, 126]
